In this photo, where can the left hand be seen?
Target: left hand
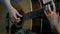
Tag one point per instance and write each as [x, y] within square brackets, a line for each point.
[51, 14]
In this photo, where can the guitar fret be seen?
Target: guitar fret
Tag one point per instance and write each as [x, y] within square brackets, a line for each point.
[33, 14]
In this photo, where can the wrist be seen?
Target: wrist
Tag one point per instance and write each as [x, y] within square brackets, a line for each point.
[55, 23]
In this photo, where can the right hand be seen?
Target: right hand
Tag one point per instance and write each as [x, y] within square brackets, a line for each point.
[13, 15]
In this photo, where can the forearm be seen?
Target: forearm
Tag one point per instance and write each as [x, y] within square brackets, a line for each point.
[57, 27]
[8, 5]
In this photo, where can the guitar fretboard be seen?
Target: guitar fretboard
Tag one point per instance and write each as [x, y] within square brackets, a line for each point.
[33, 14]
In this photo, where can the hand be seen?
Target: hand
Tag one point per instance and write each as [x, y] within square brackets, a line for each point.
[51, 14]
[13, 15]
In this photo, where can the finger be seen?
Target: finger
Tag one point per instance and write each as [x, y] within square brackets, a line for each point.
[15, 17]
[45, 13]
[46, 9]
[19, 15]
[54, 8]
[17, 21]
[11, 19]
[49, 8]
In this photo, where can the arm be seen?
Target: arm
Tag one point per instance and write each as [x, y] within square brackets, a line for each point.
[52, 16]
[8, 5]
[57, 27]
[13, 13]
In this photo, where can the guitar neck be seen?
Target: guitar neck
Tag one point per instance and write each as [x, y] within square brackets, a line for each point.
[35, 13]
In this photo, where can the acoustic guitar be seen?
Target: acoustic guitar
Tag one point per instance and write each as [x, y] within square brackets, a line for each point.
[29, 10]
[32, 12]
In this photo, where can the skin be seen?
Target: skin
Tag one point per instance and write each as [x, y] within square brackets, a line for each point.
[12, 12]
[52, 16]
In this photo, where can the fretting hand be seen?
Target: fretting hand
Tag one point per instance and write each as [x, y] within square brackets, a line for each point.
[51, 14]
